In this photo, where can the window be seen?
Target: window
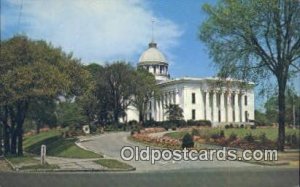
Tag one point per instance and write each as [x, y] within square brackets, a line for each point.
[246, 116]
[246, 100]
[193, 114]
[193, 98]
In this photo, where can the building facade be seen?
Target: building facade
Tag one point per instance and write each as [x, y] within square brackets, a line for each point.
[220, 101]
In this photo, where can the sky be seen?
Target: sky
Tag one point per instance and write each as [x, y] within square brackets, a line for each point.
[101, 31]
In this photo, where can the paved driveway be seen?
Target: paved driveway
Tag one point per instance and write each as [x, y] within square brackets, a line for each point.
[110, 146]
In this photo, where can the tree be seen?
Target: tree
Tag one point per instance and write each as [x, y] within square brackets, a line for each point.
[255, 39]
[118, 85]
[69, 114]
[42, 112]
[145, 90]
[292, 108]
[174, 112]
[30, 71]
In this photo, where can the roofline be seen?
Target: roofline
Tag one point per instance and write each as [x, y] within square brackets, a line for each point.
[198, 79]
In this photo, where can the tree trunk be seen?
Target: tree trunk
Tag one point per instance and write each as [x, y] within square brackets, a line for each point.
[281, 114]
[13, 144]
[1, 138]
[38, 126]
[20, 141]
[6, 138]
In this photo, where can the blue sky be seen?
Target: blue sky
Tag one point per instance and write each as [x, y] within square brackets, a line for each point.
[107, 30]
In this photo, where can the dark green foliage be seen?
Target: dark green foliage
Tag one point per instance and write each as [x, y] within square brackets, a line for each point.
[249, 138]
[174, 112]
[232, 137]
[222, 134]
[203, 123]
[215, 136]
[195, 132]
[187, 141]
[263, 138]
[253, 127]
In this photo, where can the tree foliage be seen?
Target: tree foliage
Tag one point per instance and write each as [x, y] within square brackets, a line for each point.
[253, 40]
[174, 112]
[145, 90]
[31, 71]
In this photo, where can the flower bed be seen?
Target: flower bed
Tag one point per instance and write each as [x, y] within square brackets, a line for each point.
[166, 142]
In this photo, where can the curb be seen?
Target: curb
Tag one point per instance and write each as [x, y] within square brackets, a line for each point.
[14, 168]
[76, 170]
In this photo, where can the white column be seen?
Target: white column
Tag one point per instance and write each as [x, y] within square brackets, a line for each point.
[222, 107]
[243, 108]
[177, 101]
[201, 105]
[229, 107]
[207, 106]
[236, 107]
[215, 107]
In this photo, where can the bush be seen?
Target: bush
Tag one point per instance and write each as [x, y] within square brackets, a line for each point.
[242, 126]
[93, 128]
[263, 138]
[149, 123]
[288, 139]
[231, 126]
[253, 127]
[174, 128]
[222, 134]
[195, 132]
[294, 141]
[215, 136]
[202, 123]
[187, 141]
[232, 137]
[227, 127]
[249, 138]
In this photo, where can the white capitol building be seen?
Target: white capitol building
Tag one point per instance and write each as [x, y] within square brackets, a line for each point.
[220, 101]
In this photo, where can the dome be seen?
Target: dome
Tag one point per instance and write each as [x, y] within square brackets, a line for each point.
[152, 55]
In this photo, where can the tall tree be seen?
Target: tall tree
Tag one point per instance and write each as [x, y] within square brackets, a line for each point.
[145, 90]
[118, 83]
[253, 39]
[31, 70]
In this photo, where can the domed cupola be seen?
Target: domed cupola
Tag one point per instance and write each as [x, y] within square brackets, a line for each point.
[155, 62]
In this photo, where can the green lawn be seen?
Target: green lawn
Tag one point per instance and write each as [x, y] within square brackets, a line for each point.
[271, 133]
[56, 145]
[26, 159]
[39, 166]
[113, 164]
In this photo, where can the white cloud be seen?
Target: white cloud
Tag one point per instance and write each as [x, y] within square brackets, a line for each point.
[94, 30]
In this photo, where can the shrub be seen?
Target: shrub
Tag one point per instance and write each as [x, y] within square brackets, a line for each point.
[132, 122]
[202, 123]
[222, 134]
[93, 128]
[227, 127]
[294, 141]
[215, 136]
[263, 138]
[149, 123]
[231, 126]
[195, 132]
[249, 138]
[288, 139]
[174, 128]
[187, 141]
[253, 127]
[232, 137]
[242, 126]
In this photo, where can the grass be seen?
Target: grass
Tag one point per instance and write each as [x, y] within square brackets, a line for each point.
[39, 166]
[271, 132]
[26, 159]
[113, 164]
[56, 146]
